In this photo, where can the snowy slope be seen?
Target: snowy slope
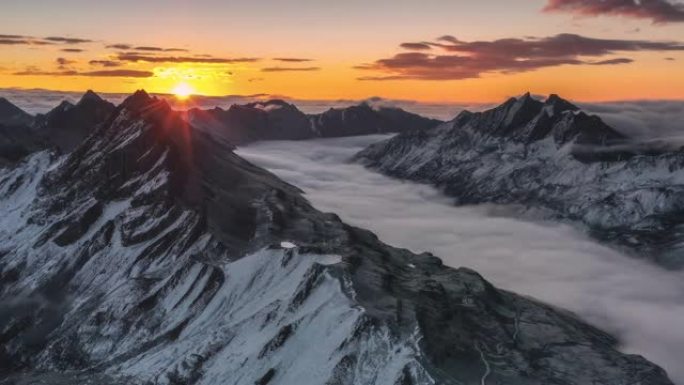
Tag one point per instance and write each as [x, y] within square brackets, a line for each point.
[153, 254]
[553, 157]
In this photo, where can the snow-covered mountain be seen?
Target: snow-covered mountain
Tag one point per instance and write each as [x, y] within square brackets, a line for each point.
[552, 156]
[153, 254]
[279, 120]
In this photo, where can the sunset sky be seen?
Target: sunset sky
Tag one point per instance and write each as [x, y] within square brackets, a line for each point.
[429, 50]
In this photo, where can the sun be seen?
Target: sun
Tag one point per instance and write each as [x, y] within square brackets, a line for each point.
[183, 90]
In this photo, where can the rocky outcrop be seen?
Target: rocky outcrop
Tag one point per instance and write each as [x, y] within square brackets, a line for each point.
[153, 254]
[11, 115]
[63, 128]
[67, 125]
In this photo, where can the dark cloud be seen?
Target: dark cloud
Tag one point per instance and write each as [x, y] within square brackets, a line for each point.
[21, 40]
[64, 62]
[105, 63]
[290, 69]
[153, 49]
[66, 40]
[29, 40]
[103, 73]
[463, 60]
[119, 46]
[119, 73]
[658, 11]
[670, 59]
[158, 49]
[14, 41]
[134, 57]
[72, 50]
[292, 59]
[417, 46]
[253, 80]
[622, 60]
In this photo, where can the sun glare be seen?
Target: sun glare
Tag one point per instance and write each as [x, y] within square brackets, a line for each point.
[183, 91]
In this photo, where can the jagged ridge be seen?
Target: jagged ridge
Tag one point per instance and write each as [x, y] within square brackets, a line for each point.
[550, 155]
[152, 253]
[279, 120]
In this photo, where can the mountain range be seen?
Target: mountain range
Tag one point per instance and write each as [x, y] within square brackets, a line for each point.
[63, 128]
[152, 253]
[279, 120]
[556, 161]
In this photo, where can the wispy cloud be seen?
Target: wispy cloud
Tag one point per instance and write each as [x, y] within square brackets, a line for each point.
[462, 59]
[119, 46]
[658, 11]
[133, 57]
[417, 46]
[67, 40]
[72, 50]
[102, 73]
[292, 59]
[159, 49]
[290, 69]
[22, 40]
[30, 40]
[622, 60]
[63, 63]
[105, 63]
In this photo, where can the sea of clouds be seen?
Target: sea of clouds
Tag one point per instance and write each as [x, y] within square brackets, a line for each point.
[639, 302]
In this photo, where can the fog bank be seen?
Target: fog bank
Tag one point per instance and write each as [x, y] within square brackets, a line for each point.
[640, 303]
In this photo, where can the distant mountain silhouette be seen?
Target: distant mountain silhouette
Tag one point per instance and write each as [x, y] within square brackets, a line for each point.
[279, 120]
[68, 124]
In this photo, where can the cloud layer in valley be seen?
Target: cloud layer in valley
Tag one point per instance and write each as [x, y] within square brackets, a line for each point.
[456, 59]
[638, 302]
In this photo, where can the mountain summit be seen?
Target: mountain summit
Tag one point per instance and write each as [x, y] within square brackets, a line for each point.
[67, 125]
[11, 115]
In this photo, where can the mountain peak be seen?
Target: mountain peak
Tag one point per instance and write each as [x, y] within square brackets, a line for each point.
[138, 100]
[89, 96]
[559, 104]
[11, 114]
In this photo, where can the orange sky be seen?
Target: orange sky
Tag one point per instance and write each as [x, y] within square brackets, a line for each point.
[336, 37]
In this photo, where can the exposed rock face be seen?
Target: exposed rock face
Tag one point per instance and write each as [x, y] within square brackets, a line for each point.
[11, 115]
[278, 120]
[17, 138]
[67, 125]
[17, 141]
[153, 254]
[64, 127]
[551, 155]
[364, 120]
